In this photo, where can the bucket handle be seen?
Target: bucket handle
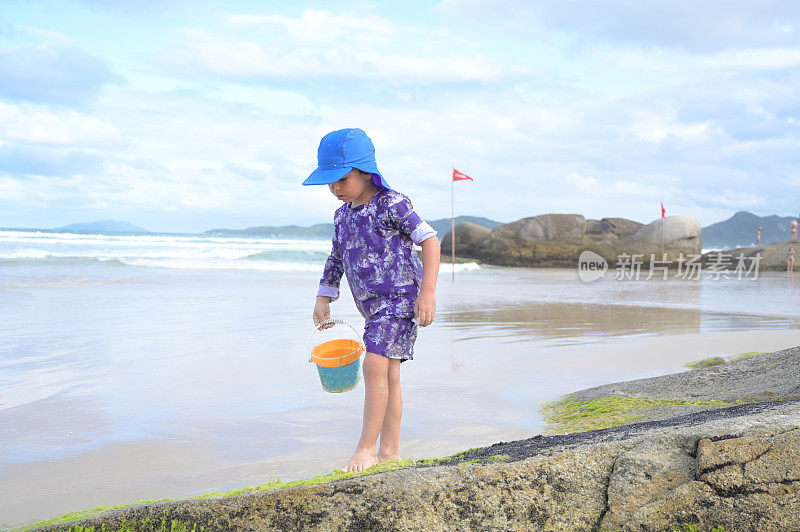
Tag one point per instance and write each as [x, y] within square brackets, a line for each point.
[335, 321]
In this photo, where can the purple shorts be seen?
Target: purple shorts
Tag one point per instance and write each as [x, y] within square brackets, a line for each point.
[391, 337]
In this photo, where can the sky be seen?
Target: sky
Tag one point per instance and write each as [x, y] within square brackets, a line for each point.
[183, 116]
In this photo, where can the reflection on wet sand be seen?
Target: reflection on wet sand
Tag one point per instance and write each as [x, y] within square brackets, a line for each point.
[570, 322]
[579, 323]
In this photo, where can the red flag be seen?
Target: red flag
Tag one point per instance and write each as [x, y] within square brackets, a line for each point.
[460, 176]
[663, 212]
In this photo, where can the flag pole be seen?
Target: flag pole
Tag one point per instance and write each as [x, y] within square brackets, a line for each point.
[453, 227]
[663, 219]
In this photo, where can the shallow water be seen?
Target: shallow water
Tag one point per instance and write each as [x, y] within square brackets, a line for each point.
[122, 380]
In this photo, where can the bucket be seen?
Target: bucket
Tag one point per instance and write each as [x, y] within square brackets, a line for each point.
[338, 360]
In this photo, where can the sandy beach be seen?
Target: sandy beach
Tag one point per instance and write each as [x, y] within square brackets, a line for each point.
[732, 464]
[178, 391]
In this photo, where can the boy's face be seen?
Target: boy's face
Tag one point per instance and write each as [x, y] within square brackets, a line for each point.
[351, 186]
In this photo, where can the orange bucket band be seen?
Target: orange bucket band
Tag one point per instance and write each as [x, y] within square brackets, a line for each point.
[336, 353]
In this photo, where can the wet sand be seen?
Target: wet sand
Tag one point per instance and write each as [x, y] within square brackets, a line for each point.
[222, 416]
[152, 469]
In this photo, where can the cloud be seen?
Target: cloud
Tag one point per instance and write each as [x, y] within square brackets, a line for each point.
[756, 58]
[634, 188]
[250, 172]
[213, 161]
[732, 199]
[191, 158]
[637, 148]
[14, 192]
[745, 107]
[222, 125]
[657, 128]
[148, 6]
[41, 35]
[369, 50]
[56, 162]
[34, 125]
[683, 24]
[54, 75]
[659, 62]
[324, 27]
[205, 52]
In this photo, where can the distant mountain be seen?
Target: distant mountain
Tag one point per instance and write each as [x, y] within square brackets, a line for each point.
[104, 226]
[326, 230]
[740, 231]
[291, 231]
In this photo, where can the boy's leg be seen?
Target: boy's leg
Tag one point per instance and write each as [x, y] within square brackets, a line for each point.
[390, 432]
[376, 392]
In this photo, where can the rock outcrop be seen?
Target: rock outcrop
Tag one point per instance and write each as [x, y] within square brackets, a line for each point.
[467, 235]
[765, 377]
[558, 240]
[679, 234]
[738, 467]
[773, 257]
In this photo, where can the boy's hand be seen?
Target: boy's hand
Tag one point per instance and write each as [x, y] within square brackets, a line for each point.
[425, 308]
[322, 312]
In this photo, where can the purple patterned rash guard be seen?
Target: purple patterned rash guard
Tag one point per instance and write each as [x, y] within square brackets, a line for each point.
[373, 245]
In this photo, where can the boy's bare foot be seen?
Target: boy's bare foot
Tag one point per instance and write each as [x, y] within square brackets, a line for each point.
[388, 457]
[360, 461]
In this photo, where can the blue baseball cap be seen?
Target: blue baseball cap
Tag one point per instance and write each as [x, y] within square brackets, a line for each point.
[341, 151]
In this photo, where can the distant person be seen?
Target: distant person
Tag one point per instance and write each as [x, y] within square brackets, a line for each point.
[793, 227]
[373, 245]
[758, 237]
[790, 261]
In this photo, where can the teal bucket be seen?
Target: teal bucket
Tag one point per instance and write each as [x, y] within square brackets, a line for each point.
[341, 379]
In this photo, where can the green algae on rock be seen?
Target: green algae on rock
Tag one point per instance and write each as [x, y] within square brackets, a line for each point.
[705, 362]
[718, 360]
[165, 524]
[689, 527]
[275, 483]
[567, 416]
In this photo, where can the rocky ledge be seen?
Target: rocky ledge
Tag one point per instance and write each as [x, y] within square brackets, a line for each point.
[737, 467]
[771, 257]
[557, 240]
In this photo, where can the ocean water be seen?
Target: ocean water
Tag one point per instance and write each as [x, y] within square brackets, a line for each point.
[144, 366]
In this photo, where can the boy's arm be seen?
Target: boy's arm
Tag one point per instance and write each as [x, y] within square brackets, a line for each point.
[332, 273]
[331, 277]
[328, 290]
[425, 307]
[328, 286]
